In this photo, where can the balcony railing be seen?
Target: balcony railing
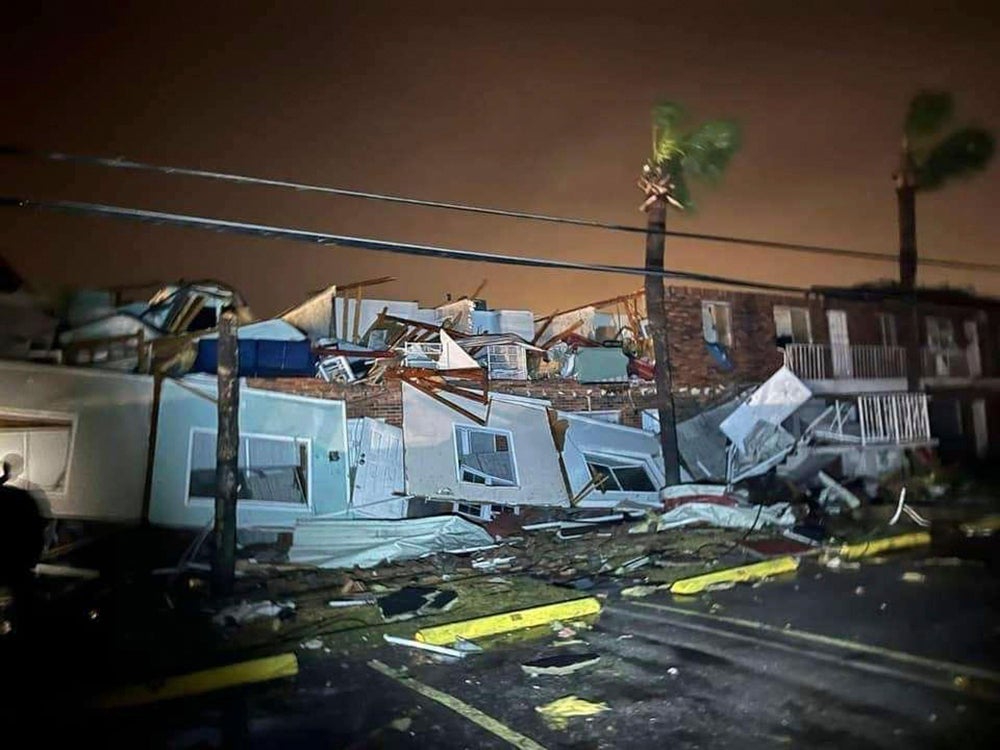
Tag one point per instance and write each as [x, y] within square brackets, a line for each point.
[894, 418]
[822, 362]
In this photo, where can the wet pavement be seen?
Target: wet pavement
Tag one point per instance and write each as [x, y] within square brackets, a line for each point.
[774, 665]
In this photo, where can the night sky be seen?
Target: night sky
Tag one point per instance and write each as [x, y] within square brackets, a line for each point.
[499, 104]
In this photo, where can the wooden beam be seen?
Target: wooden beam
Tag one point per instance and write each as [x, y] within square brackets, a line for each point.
[599, 304]
[367, 282]
[357, 315]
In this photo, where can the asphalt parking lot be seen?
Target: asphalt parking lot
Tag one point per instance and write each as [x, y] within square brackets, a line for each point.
[853, 658]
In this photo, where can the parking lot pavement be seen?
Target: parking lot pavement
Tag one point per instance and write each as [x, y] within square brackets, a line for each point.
[804, 661]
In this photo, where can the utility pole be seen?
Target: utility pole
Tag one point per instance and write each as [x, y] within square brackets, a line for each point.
[656, 223]
[226, 456]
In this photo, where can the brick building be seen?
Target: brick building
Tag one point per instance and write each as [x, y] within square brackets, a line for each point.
[844, 343]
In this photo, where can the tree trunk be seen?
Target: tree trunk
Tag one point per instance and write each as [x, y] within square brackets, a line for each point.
[907, 218]
[657, 317]
[226, 456]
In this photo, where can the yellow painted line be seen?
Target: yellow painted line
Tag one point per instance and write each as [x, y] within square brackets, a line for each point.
[807, 635]
[878, 546]
[471, 713]
[506, 622]
[205, 681]
[752, 572]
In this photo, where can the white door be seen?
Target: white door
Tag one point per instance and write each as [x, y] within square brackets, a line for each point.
[378, 478]
[840, 344]
[979, 425]
[972, 349]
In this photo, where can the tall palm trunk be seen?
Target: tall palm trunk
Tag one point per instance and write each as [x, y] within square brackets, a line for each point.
[907, 219]
[657, 315]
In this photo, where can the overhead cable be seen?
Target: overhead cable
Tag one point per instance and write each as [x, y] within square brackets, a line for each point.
[122, 163]
[364, 243]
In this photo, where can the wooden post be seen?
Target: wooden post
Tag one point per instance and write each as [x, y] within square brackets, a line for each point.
[226, 456]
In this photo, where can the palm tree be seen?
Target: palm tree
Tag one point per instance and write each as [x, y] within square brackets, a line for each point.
[927, 165]
[677, 154]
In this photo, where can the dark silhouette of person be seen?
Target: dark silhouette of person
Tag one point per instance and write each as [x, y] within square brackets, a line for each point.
[22, 538]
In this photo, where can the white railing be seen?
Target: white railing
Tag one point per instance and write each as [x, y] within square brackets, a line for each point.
[878, 361]
[816, 362]
[894, 418]
[808, 361]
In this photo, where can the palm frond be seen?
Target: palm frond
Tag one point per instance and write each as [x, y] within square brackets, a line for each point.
[707, 151]
[667, 117]
[960, 154]
[928, 112]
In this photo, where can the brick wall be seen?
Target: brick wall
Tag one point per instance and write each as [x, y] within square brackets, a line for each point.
[754, 353]
[384, 401]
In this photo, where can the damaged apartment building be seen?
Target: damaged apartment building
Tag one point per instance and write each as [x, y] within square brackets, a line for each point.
[356, 407]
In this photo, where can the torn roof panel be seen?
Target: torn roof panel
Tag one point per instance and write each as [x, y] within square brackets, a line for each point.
[774, 401]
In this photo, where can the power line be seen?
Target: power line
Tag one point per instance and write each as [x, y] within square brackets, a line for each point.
[121, 163]
[364, 243]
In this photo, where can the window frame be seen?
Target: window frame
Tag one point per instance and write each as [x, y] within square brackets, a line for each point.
[624, 462]
[709, 306]
[791, 310]
[68, 418]
[299, 442]
[460, 471]
[883, 318]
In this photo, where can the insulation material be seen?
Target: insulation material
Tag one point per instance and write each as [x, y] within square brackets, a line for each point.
[314, 316]
[774, 401]
[585, 316]
[726, 516]
[458, 314]
[330, 543]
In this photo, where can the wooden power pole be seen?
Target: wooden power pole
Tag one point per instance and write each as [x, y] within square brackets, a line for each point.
[226, 456]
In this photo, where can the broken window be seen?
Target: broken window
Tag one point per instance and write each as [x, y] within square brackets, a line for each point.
[35, 450]
[269, 468]
[887, 329]
[485, 456]
[619, 475]
[791, 324]
[716, 323]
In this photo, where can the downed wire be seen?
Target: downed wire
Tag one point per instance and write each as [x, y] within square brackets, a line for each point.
[121, 163]
[364, 243]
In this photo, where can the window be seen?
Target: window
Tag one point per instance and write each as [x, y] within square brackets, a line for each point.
[36, 450]
[619, 475]
[716, 323]
[887, 329]
[271, 469]
[940, 334]
[485, 456]
[791, 324]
